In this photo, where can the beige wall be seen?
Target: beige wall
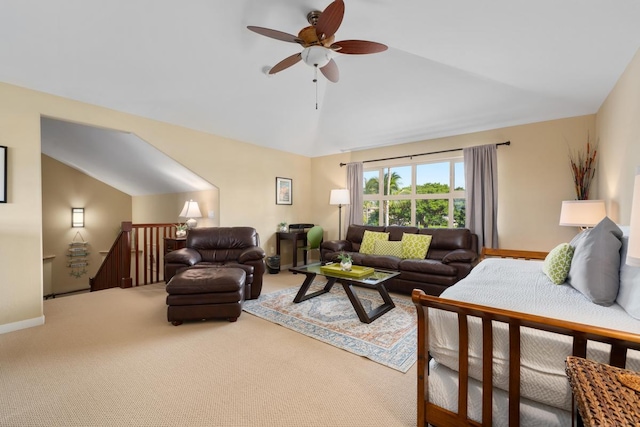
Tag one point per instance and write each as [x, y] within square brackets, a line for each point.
[618, 131]
[21, 216]
[244, 174]
[105, 208]
[328, 175]
[533, 177]
[164, 208]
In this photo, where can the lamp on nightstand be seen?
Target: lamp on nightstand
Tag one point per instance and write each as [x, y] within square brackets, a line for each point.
[582, 213]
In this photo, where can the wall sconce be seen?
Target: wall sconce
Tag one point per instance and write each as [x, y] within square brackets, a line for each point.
[77, 217]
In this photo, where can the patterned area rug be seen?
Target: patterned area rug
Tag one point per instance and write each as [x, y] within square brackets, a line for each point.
[389, 340]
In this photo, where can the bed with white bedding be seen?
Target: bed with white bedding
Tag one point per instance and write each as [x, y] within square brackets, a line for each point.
[542, 353]
[517, 298]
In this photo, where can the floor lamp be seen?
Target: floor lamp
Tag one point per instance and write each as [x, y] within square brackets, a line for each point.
[339, 197]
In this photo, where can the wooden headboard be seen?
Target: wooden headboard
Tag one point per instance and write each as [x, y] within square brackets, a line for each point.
[511, 253]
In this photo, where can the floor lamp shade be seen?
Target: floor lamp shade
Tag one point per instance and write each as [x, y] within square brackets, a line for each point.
[582, 213]
[633, 253]
[191, 210]
[339, 197]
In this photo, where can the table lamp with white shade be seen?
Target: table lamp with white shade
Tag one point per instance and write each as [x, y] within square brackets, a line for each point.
[582, 213]
[191, 210]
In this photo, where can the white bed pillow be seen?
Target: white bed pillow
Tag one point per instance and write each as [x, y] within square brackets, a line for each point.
[595, 267]
[629, 292]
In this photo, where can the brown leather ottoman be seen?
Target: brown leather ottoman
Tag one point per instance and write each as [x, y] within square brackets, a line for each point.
[205, 293]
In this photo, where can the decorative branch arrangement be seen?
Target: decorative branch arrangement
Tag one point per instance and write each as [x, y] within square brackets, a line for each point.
[583, 168]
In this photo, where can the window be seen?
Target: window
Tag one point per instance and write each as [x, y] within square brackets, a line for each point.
[428, 194]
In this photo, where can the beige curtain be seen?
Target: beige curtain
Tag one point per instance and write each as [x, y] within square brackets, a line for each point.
[481, 179]
[354, 185]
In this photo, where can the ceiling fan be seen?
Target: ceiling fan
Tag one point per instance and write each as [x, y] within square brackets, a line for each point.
[318, 41]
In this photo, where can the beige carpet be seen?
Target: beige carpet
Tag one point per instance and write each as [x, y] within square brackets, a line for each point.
[110, 358]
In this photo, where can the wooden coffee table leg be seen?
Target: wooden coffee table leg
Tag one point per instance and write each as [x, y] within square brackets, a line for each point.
[308, 281]
[357, 304]
[382, 290]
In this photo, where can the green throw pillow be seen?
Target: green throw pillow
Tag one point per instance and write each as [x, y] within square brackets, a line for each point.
[558, 262]
[415, 246]
[388, 247]
[369, 240]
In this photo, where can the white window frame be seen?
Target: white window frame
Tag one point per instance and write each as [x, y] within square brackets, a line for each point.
[413, 197]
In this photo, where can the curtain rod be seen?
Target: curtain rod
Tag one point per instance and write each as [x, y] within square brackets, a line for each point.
[421, 154]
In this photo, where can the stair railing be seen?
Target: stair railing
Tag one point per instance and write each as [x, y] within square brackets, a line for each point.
[138, 247]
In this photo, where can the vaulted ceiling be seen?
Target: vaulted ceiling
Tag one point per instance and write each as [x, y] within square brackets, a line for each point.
[452, 66]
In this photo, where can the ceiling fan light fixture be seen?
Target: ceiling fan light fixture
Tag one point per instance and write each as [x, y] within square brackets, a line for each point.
[316, 56]
[318, 41]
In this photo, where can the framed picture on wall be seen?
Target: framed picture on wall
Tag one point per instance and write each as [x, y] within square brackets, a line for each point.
[3, 174]
[284, 191]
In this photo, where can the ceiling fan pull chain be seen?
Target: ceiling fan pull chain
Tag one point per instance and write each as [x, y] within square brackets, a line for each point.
[315, 80]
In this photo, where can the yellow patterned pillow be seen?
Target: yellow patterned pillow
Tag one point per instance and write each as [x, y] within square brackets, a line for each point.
[384, 247]
[369, 240]
[415, 246]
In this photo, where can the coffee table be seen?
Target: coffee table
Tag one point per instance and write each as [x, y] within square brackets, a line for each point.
[375, 280]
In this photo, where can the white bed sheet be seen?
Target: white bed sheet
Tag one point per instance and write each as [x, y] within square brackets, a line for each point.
[520, 285]
[443, 391]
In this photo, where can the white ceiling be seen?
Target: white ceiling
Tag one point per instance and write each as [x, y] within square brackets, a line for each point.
[114, 158]
[452, 67]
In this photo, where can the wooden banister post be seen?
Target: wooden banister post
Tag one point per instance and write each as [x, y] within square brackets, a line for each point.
[125, 280]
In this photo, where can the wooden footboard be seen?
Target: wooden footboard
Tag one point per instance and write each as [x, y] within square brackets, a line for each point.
[429, 413]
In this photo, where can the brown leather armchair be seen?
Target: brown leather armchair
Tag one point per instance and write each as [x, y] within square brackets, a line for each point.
[221, 247]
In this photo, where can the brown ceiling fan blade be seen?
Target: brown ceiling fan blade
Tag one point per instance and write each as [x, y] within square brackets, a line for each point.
[275, 34]
[331, 72]
[286, 63]
[330, 20]
[358, 47]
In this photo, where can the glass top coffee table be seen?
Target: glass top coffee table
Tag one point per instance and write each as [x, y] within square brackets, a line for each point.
[373, 279]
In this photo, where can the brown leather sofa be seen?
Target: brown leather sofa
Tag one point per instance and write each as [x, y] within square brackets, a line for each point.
[452, 254]
[235, 247]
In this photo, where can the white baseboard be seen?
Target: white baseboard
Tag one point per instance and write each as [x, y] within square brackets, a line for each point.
[23, 324]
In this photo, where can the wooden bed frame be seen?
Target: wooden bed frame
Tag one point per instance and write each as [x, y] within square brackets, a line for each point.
[429, 413]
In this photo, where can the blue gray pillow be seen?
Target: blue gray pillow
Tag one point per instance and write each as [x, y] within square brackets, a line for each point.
[595, 267]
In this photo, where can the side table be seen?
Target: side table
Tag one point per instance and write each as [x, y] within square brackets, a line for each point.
[601, 398]
[295, 237]
[171, 244]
